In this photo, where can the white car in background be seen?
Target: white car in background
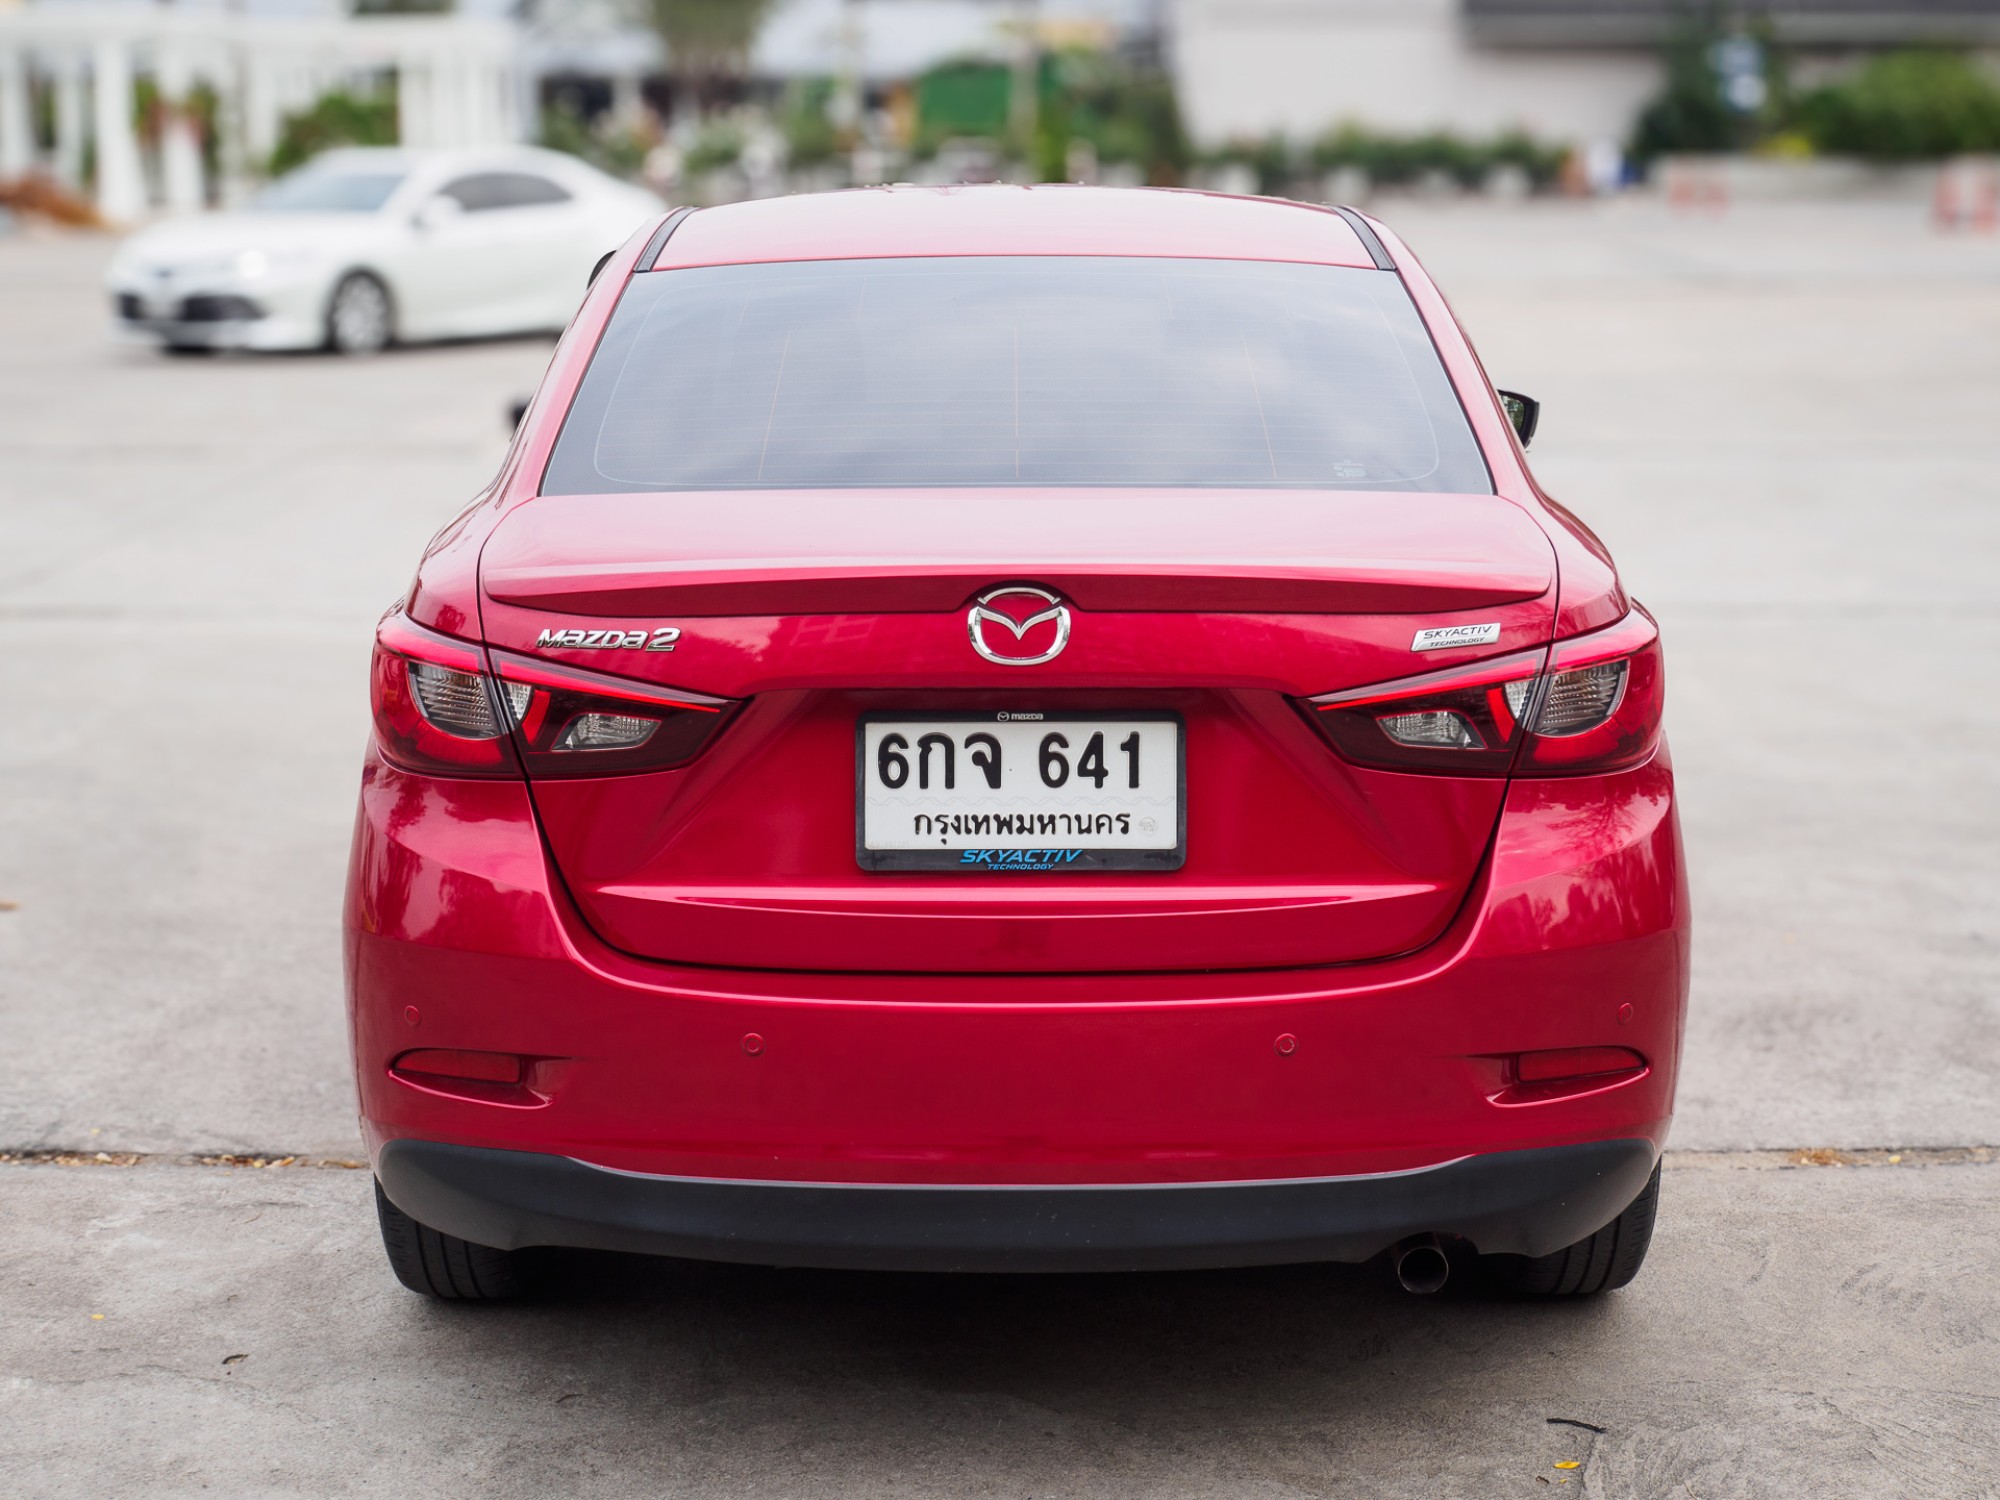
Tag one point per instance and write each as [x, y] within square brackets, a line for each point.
[366, 247]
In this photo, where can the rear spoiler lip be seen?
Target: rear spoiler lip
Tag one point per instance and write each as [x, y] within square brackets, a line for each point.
[776, 587]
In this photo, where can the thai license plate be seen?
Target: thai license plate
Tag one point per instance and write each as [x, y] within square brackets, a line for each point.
[1020, 793]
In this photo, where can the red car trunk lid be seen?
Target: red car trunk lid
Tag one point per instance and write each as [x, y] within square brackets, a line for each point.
[818, 607]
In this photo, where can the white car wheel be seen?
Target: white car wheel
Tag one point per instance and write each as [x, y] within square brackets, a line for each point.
[358, 318]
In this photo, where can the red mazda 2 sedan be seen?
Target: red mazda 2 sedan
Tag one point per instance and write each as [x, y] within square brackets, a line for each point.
[1018, 729]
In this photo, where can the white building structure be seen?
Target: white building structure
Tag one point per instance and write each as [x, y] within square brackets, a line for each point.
[1567, 70]
[1251, 68]
[458, 82]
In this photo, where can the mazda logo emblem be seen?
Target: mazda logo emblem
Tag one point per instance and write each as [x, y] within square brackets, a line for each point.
[1001, 619]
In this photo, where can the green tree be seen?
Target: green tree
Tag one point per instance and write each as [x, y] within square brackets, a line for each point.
[1690, 113]
[1906, 106]
[708, 42]
[335, 119]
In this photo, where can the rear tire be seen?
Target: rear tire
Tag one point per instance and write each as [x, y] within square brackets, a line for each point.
[360, 318]
[436, 1264]
[1601, 1262]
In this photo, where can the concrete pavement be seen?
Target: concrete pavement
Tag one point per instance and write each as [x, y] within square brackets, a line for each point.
[1782, 422]
[1822, 1332]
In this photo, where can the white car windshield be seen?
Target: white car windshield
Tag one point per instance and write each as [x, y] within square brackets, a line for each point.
[319, 191]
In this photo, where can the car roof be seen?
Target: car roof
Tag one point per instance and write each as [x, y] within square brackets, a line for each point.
[997, 219]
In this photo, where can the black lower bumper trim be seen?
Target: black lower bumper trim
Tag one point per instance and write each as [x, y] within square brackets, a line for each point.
[1509, 1202]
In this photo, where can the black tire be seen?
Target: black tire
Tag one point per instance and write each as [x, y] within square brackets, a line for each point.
[187, 351]
[442, 1265]
[360, 315]
[1601, 1262]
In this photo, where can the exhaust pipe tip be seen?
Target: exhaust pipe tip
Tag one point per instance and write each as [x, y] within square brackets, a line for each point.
[1421, 1265]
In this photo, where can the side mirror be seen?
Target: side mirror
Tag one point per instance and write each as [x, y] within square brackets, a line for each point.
[517, 412]
[1525, 412]
[438, 212]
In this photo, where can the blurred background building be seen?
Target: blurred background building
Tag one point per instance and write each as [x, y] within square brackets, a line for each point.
[1567, 70]
[136, 107]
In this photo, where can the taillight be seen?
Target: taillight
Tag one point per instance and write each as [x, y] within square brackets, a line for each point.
[449, 708]
[1466, 720]
[1602, 701]
[436, 710]
[1588, 704]
[576, 723]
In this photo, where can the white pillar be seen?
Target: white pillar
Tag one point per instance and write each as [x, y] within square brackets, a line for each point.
[17, 122]
[448, 102]
[521, 104]
[121, 190]
[413, 103]
[260, 107]
[69, 120]
[486, 84]
[494, 89]
[180, 140]
[232, 165]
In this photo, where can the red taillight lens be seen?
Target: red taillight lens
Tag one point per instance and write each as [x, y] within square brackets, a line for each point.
[575, 723]
[1602, 702]
[435, 708]
[1465, 720]
[449, 708]
[1588, 704]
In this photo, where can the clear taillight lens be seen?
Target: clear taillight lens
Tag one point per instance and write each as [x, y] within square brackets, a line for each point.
[1592, 703]
[1466, 720]
[435, 708]
[449, 708]
[460, 703]
[577, 723]
[1602, 702]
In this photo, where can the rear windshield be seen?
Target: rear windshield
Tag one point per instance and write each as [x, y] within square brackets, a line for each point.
[1016, 370]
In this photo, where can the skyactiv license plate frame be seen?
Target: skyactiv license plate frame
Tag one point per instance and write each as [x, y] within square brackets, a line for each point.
[1061, 850]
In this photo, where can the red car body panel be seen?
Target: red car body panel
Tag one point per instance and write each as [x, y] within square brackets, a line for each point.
[704, 984]
[980, 1079]
[808, 552]
[1295, 857]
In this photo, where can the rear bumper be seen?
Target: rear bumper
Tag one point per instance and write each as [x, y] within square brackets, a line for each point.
[459, 936]
[1515, 1202]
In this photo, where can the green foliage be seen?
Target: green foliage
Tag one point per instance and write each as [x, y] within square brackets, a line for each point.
[1394, 160]
[1905, 106]
[810, 137]
[334, 119]
[1145, 128]
[1516, 148]
[1691, 113]
[719, 145]
[619, 152]
[1126, 113]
